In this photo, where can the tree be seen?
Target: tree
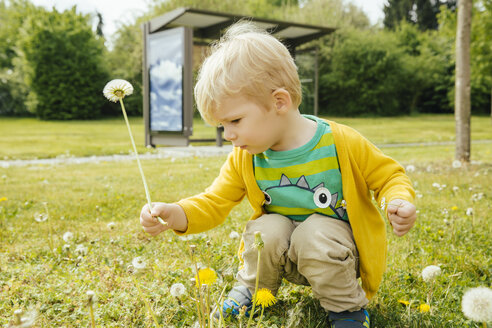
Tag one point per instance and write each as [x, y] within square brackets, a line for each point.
[13, 89]
[63, 63]
[462, 82]
[422, 13]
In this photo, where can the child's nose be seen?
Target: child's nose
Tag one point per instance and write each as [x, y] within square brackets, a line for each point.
[229, 135]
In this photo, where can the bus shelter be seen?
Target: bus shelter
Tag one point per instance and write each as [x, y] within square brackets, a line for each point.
[169, 61]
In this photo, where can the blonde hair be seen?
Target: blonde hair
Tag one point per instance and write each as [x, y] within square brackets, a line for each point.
[246, 61]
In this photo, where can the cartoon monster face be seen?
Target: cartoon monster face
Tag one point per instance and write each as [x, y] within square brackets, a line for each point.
[318, 197]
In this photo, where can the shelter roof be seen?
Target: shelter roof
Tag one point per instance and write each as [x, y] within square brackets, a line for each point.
[209, 24]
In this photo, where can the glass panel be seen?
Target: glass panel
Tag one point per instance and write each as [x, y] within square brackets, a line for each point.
[166, 60]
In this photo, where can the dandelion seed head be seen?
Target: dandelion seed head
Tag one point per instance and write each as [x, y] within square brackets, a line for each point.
[477, 304]
[177, 290]
[111, 225]
[139, 263]
[66, 247]
[456, 164]
[265, 298]
[40, 217]
[258, 244]
[205, 276]
[430, 273]
[68, 236]
[410, 168]
[117, 89]
[81, 250]
[469, 211]
[91, 296]
[234, 235]
[456, 188]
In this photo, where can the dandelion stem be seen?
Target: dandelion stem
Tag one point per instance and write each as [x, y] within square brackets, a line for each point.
[198, 290]
[91, 312]
[147, 194]
[147, 304]
[50, 237]
[256, 289]
[261, 317]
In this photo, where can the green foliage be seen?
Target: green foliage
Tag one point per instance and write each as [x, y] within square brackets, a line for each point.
[428, 59]
[480, 52]
[364, 75]
[13, 89]
[125, 62]
[63, 62]
[422, 13]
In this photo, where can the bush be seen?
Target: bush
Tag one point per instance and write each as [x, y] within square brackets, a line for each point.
[64, 65]
[364, 74]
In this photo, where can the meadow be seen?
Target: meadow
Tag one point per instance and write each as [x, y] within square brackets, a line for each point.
[69, 229]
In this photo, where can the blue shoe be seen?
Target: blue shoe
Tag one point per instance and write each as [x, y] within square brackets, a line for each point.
[237, 298]
[347, 319]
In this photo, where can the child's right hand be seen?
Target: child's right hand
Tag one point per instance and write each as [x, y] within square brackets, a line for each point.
[172, 214]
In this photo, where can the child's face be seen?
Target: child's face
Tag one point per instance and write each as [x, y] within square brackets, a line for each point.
[248, 125]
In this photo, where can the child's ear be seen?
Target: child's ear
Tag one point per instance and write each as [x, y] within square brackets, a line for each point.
[282, 100]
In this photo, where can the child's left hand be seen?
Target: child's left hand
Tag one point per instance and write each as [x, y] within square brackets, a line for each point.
[402, 215]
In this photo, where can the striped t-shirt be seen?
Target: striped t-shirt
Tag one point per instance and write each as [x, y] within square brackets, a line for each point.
[305, 180]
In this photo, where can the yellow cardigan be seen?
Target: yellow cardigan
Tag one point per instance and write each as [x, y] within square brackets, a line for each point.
[364, 168]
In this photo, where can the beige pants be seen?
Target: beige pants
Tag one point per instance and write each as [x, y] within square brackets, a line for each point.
[319, 252]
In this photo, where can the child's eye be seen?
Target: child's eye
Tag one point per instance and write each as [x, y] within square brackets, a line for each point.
[236, 120]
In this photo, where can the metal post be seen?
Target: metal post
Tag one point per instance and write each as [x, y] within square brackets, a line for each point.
[218, 138]
[316, 81]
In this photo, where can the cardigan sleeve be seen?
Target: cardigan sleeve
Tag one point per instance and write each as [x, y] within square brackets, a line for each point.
[383, 175]
[211, 207]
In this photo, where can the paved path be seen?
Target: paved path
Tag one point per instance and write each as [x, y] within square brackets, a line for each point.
[177, 152]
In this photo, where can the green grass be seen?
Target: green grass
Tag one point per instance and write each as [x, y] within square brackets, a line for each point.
[36, 273]
[27, 138]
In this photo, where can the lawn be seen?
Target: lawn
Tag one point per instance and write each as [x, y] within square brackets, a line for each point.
[99, 204]
[28, 138]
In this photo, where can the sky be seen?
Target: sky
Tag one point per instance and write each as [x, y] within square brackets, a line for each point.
[115, 12]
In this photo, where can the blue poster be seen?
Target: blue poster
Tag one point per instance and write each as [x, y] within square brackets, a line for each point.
[165, 60]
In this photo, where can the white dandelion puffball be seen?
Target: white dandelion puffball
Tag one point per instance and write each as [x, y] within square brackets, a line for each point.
[117, 89]
[456, 164]
[477, 304]
[81, 250]
[469, 211]
[111, 225]
[410, 168]
[139, 263]
[91, 296]
[234, 235]
[67, 236]
[177, 290]
[40, 217]
[436, 185]
[430, 273]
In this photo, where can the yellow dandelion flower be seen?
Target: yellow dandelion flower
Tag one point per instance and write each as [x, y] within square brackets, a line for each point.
[265, 298]
[454, 208]
[206, 276]
[3, 199]
[406, 303]
[424, 308]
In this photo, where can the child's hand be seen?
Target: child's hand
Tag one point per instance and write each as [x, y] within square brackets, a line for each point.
[172, 214]
[402, 215]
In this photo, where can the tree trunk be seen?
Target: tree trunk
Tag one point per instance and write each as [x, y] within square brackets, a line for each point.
[462, 82]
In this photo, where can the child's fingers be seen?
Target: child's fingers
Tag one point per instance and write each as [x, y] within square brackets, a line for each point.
[154, 230]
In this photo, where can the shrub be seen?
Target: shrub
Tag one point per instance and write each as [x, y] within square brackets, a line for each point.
[365, 75]
[64, 65]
